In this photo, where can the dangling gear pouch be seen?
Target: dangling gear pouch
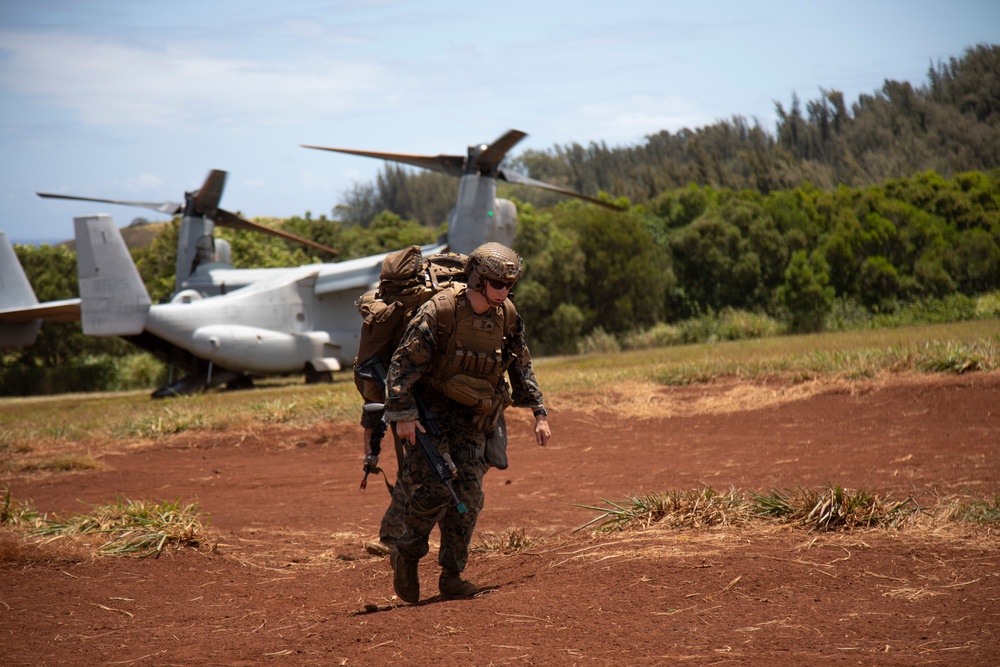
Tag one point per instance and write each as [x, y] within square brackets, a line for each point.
[496, 445]
[490, 422]
[473, 392]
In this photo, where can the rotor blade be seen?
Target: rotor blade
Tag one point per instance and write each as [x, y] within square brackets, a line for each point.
[495, 152]
[206, 199]
[511, 177]
[170, 208]
[224, 218]
[446, 164]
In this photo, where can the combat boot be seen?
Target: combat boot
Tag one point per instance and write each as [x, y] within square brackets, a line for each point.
[404, 577]
[454, 587]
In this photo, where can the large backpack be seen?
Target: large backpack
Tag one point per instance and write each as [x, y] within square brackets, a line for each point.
[406, 282]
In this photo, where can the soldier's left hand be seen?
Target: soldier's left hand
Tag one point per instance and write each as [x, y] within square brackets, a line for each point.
[542, 430]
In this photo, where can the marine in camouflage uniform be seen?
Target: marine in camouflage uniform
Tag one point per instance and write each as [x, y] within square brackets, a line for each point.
[425, 362]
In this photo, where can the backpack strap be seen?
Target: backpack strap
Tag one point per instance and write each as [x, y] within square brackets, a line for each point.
[446, 304]
[509, 317]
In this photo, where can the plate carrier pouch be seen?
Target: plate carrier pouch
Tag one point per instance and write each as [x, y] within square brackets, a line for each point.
[407, 280]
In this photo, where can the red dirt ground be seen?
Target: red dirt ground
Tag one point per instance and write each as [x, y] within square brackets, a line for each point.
[284, 577]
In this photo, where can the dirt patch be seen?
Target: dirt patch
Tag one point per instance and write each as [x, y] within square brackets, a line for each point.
[285, 579]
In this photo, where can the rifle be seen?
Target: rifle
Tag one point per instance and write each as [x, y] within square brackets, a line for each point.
[373, 370]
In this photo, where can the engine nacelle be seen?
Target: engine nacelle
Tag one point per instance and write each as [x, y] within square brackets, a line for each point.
[255, 350]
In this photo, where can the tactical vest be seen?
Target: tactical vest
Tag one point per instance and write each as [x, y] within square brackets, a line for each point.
[472, 362]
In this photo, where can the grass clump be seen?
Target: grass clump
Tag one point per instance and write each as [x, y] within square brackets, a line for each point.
[276, 411]
[953, 357]
[675, 509]
[133, 528]
[61, 463]
[513, 540]
[153, 426]
[13, 512]
[827, 509]
[832, 508]
[979, 511]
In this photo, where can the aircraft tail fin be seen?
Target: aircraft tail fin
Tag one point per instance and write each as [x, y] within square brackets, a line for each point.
[113, 298]
[15, 292]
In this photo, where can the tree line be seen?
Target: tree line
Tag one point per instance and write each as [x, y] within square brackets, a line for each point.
[791, 255]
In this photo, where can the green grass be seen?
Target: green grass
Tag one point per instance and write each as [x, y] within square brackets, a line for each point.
[856, 354]
[28, 423]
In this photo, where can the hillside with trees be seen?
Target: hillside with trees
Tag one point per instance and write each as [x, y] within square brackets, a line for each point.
[883, 212]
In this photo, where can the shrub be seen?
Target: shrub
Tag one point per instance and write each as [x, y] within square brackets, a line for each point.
[659, 335]
[599, 341]
[988, 305]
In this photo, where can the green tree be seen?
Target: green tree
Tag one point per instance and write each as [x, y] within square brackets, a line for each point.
[550, 292]
[626, 277]
[806, 292]
[879, 282]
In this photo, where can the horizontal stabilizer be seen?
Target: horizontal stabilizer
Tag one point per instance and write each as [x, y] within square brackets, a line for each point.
[15, 295]
[113, 298]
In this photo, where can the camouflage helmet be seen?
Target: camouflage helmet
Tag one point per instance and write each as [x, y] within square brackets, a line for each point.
[493, 261]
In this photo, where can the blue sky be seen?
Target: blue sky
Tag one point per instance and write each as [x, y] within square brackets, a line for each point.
[139, 100]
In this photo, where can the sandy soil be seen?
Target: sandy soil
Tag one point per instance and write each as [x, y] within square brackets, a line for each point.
[283, 576]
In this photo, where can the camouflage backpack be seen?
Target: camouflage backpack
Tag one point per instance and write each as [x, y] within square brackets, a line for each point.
[406, 282]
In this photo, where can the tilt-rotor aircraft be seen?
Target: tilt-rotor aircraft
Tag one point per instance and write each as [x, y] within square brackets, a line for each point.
[227, 326]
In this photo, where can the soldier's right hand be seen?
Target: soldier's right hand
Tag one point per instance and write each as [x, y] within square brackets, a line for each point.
[407, 431]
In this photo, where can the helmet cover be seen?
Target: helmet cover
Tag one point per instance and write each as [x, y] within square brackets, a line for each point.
[493, 261]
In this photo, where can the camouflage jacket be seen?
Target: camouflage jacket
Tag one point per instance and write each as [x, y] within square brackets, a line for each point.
[414, 363]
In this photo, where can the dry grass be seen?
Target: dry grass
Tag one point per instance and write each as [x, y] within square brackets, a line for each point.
[19, 550]
[639, 399]
[131, 528]
[831, 508]
[66, 462]
[511, 541]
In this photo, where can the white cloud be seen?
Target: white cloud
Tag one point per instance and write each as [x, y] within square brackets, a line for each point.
[632, 118]
[120, 84]
[144, 183]
[313, 182]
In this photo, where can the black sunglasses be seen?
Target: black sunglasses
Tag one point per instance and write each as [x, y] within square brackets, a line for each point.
[499, 284]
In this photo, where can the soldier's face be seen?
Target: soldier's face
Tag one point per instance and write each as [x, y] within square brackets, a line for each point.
[496, 295]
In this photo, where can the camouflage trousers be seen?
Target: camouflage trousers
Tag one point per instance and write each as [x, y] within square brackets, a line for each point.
[391, 527]
[392, 521]
[424, 501]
